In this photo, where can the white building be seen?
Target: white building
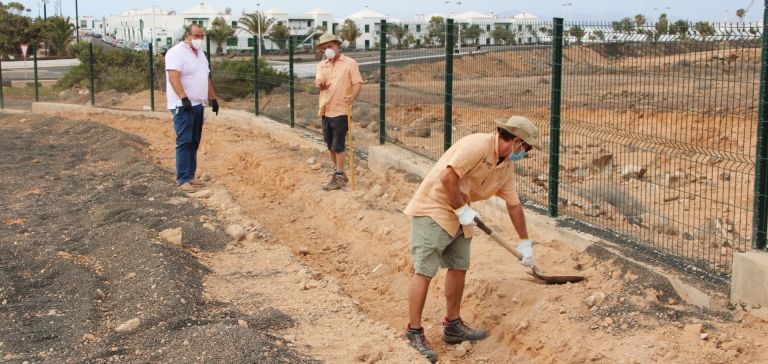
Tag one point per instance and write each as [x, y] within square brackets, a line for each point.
[166, 27]
[369, 24]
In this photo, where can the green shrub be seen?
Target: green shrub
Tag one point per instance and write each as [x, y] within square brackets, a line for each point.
[128, 71]
[234, 78]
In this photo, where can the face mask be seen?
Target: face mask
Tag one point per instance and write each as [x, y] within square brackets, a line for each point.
[517, 156]
[330, 53]
[197, 43]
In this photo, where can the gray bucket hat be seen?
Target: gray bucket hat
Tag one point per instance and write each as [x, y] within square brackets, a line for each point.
[521, 127]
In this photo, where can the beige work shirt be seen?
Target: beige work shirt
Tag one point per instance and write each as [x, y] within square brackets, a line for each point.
[340, 76]
[474, 158]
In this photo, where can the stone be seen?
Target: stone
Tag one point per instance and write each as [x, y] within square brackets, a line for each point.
[89, 337]
[523, 325]
[595, 299]
[460, 351]
[419, 131]
[129, 325]
[694, 328]
[725, 176]
[466, 345]
[601, 162]
[311, 160]
[304, 250]
[633, 171]
[242, 323]
[172, 236]
[209, 226]
[236, 232]
[376, 191]
[593, 211]
[316, 166]
[202, 194]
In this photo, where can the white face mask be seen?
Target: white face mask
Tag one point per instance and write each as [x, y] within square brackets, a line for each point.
[197, 43]
[330, 53]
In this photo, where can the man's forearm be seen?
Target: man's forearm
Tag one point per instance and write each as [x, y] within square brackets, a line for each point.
[175, 78]
[356, 90]
[517, 215]
[211, 94]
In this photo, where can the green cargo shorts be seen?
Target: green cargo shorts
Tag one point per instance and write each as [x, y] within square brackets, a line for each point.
[432, 247]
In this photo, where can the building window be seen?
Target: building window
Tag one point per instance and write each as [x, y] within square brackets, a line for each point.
[519, 28]
[251, 42]
[367, 30]
[418, 28]
[367, 43]
[83, 24]
[309, 23]
[405, 26]
[487, 41]
[232, 42]
[325, 25]
[488, 28]
[168, 41]
[418, 42]
[234, 24]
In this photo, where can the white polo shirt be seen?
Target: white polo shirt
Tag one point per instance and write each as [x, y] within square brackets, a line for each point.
[194, 74]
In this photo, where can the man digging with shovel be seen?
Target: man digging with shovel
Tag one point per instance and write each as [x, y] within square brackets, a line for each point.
[475, 168]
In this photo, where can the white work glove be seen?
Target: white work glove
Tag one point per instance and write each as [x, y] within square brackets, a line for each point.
[526, 249]
[466, 215]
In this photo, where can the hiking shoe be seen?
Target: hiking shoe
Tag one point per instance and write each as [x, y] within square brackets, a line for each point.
[418, 341]
[187, 187]
[336, 183]
[456, 331]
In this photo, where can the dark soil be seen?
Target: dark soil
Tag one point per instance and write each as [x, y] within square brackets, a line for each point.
[80, 212]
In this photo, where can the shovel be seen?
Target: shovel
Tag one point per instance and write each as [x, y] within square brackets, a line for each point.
[536, 271]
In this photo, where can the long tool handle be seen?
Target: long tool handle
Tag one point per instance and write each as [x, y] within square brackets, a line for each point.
[351, 149]
[503, 242]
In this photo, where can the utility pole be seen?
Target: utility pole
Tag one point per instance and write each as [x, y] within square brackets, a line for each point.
[77, 23]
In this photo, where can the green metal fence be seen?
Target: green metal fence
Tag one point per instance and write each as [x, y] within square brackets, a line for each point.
[654, 135]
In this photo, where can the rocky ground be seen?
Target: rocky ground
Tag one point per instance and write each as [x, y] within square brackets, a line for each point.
[260, 265]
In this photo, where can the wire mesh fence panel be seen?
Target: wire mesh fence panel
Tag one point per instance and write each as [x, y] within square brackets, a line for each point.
[415, 88]
[658, 137]
[500, 70]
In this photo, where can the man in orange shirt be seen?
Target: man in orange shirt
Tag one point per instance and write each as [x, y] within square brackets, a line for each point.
[338, 78]
[475, 168]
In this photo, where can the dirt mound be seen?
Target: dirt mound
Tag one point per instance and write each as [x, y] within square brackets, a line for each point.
[84, 276]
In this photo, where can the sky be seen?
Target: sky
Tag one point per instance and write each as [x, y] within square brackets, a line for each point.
[588, 10]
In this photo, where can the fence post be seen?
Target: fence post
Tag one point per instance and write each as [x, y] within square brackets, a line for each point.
[256, 76]
[34, 59]
[151, 77]
[448, 106]
[2, 100]
[383, 83]
[208, 48]
[90, 74]
[554, 134]
[760, 216]
[290, 74]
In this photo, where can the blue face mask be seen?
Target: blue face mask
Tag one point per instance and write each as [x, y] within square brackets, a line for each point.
[517, 156]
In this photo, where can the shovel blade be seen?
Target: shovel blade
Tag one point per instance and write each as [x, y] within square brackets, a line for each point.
[554, 279]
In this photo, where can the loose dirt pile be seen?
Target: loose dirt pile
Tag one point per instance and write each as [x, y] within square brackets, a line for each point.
[355, 244]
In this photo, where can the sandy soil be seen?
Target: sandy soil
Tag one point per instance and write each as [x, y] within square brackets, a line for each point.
[358, 240]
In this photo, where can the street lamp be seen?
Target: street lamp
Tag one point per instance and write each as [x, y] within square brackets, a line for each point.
[568, 19]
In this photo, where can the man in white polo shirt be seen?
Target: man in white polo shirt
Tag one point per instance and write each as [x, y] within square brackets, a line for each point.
[188, 88]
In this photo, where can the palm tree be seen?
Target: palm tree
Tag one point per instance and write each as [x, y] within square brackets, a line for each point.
[639, 21]
[577, 32]
[399, 32]
[59, 32]
[219, 32]
[741, 13]
[256, 24]
[279, 35]
[350, 32]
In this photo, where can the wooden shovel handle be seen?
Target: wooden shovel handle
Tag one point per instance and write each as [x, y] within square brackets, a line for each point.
[503, 242]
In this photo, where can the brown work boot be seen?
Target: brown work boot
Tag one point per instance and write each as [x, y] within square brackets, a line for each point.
[336, 183]
[186, 187]
[456, 331]
[418, 341]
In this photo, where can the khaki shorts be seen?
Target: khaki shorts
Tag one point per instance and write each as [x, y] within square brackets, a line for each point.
[432, 247]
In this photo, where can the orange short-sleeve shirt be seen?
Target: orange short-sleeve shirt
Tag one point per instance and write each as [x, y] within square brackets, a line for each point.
[340, 76]
[475, 160]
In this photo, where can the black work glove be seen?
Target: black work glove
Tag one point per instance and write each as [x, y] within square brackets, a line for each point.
[186, 105]
[215, 106]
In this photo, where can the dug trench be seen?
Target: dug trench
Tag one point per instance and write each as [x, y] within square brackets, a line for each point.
[350, 267]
